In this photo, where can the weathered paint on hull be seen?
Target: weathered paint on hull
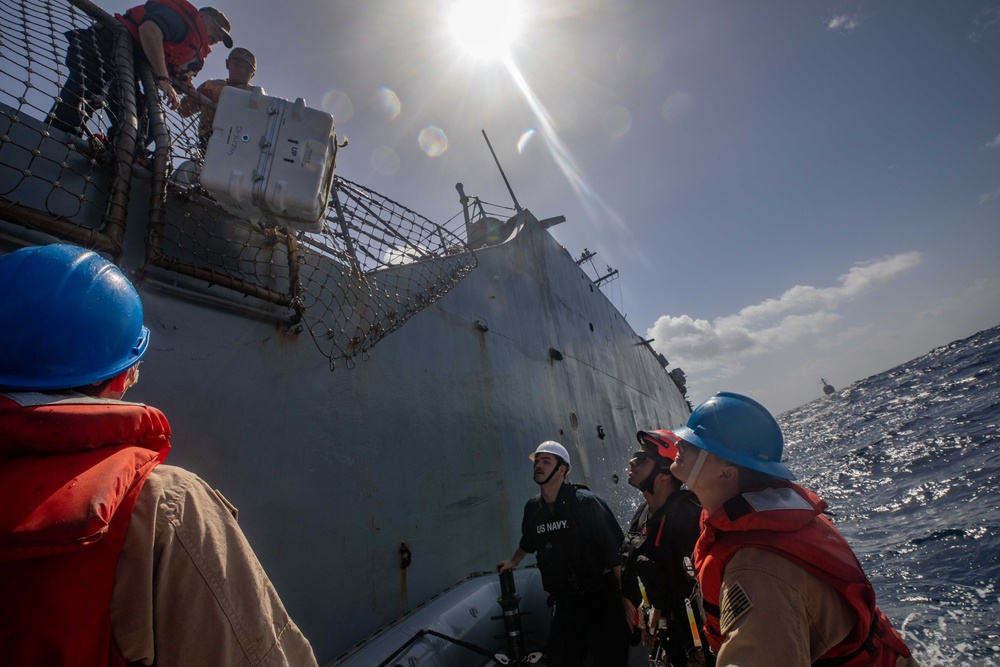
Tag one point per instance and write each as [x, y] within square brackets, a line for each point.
[426, 442]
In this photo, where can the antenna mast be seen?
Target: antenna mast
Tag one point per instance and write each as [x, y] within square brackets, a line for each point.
[517, 206]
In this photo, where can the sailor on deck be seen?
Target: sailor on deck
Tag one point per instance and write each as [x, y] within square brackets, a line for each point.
[171, 35]
[241, 65]
[781, 586]
[106, 556]
[658, 548]
[576, 539]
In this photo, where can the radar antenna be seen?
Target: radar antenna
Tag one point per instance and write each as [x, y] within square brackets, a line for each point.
[608, 277]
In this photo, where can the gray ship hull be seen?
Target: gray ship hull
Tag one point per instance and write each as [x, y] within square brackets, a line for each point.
[414, 449]
[425, 442]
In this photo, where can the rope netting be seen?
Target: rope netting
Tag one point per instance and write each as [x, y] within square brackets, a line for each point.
[75, 128]
[67, 175]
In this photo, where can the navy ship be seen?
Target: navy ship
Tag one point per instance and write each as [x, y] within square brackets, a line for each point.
[365, 388]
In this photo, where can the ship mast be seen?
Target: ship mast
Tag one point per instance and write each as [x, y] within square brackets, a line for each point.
[517, 206]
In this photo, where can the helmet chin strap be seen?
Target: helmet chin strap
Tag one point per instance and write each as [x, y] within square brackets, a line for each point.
[647, 484]
[552, 474]
[698, 463]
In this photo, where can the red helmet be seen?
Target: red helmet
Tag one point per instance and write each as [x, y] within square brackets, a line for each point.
[665, 443]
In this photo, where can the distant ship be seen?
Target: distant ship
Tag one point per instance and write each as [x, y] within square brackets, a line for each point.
[367, 394]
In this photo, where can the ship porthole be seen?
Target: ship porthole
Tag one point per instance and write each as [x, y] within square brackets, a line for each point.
[573, 421]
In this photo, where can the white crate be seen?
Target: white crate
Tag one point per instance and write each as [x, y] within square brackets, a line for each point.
[270, 160]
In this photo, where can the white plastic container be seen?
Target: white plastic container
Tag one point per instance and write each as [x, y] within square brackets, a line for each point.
[270, 160]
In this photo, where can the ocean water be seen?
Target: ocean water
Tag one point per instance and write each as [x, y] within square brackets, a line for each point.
[909, 462]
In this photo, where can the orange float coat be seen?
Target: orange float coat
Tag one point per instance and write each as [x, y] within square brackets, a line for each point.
[788, 519]
[71, 468]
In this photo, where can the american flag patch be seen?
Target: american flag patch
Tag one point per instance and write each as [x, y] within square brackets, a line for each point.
[735, 604]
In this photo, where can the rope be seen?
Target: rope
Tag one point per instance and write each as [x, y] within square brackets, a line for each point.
[68, 100]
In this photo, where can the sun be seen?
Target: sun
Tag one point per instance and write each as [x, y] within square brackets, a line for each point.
[485, 29]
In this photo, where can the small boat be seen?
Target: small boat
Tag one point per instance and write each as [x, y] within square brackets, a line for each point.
[475, 622]
[456, 349]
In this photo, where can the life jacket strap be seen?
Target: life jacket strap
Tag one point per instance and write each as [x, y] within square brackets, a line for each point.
[867, 645]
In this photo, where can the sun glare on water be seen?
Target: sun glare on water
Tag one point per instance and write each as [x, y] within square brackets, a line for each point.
[485, 28]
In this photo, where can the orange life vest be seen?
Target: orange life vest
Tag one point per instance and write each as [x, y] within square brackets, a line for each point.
[788, 519]
[185, 58]
[70, 473]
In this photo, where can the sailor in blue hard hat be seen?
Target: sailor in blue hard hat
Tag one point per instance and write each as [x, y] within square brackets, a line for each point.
[780, 584]
[70, 318]
[107, 553]
[733, 428]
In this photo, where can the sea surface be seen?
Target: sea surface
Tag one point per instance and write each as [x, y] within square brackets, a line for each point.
[909, 462]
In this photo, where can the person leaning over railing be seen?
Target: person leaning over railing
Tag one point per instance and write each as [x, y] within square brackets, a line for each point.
[106, 556]
[171, 35]
[241, 65]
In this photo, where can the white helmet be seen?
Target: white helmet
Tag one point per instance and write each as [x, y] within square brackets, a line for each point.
[551, 447]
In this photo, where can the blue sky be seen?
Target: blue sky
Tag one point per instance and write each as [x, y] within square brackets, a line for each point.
[790, 189]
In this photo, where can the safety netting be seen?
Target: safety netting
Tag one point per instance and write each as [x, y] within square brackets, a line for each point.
[80, 141]
[66, 176]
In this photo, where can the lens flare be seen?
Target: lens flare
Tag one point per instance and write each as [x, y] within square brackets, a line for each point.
[522, 143]
[592, 202]
[387, 103]
[338, 104]
[433, 141]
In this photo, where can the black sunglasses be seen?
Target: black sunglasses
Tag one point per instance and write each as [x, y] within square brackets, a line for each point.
[640, 457]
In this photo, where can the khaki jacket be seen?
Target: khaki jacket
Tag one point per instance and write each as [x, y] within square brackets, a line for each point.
[792, 618]
[189, 590]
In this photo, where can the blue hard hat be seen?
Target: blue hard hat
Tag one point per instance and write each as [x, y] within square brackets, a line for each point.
[68, 318]
[740, 430]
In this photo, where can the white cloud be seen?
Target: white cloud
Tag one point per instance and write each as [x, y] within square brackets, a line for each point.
[858, 280]
[803, 311]
[843, 22]
[994, 143]
[989, 195]
[983, 22]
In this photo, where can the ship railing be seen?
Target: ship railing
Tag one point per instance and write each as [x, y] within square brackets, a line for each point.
[72, 187]
[374, 264]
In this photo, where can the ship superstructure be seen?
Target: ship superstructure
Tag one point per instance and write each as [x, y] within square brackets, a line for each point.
[366, 395]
